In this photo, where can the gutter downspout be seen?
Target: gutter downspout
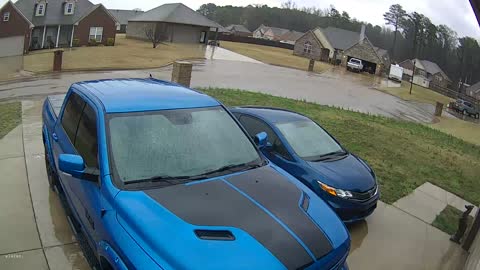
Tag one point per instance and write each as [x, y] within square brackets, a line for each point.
[44, 33]
[71, 38]
[58, 36]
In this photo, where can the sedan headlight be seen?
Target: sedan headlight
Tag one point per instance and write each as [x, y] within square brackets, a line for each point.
[344, 194]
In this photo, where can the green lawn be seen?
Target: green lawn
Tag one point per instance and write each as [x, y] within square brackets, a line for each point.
[403, 154]
[419, 93]
[447, 220]
[10, 117]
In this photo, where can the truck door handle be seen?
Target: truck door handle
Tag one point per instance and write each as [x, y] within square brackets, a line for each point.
[55, 137]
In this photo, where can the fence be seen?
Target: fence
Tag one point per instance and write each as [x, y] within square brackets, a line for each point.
[257, 41]
[454, 94]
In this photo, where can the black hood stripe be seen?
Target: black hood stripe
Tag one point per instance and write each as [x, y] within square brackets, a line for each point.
[282, 199]
[216, 203]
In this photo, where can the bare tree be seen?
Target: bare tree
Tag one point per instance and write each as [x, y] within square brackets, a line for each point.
[154, 35]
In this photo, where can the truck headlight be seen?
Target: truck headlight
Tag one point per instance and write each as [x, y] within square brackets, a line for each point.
[344, 194]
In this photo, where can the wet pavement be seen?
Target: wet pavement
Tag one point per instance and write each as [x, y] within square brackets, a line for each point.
[34, 232]
[334, 87]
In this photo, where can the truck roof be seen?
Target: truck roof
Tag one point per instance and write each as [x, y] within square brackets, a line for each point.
[138, 95]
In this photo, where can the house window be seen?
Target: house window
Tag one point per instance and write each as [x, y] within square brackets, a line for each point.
[6, 16]
[307, 47]
[40, 10]
[96, 33]
[69, 8]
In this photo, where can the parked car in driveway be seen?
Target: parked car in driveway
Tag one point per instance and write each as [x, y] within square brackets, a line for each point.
[355, 64]
[158, 176]
[305, 150]
[465, 107]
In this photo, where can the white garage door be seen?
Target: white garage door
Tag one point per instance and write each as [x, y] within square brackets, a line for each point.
[11, 46]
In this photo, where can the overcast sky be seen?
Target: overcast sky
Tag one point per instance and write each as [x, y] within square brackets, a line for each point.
[457, 14]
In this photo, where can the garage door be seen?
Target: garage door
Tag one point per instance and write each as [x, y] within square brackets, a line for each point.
[11, 46]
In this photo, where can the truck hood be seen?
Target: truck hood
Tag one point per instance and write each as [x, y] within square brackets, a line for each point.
[218, 223]
[349, 173]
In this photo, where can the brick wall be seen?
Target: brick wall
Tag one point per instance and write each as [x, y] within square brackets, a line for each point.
[16, 25]
[98, 18]
[316, 47]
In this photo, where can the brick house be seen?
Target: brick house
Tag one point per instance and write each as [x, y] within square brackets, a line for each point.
[474, 91]
[339, 46]
[15, 31]
[426, 73]
[270, 33]
[238, 30]
[61, 23]
[173, 23]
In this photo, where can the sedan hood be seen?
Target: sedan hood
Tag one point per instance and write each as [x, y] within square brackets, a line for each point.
[349, 173]
[216, 224]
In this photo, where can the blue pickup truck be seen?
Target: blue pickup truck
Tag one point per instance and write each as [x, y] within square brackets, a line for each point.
[158, 176]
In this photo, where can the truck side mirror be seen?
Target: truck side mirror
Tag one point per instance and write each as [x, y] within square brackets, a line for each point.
[261, 139]
[75, 166]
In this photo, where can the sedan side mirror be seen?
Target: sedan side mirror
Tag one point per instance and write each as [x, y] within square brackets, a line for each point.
[261, 139]
[75, 166]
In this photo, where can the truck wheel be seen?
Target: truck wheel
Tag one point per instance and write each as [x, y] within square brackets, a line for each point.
[52, 180]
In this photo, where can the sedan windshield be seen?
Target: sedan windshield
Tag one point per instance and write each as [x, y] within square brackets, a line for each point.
[172, 144]
[309, 140]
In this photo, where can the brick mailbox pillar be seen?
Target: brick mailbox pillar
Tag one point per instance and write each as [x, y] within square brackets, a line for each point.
[57, 60]
[311, 65]
[439, 109]
[182, 73]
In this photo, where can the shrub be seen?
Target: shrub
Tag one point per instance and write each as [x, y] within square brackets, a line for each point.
[76, 42]
[110, 41]
[92, 42]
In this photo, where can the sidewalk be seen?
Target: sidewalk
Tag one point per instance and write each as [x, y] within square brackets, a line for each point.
[34, 232]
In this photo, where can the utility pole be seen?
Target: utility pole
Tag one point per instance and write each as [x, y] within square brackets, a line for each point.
[413, 76]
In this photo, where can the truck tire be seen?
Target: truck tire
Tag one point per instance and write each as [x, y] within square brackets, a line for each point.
[52, 179]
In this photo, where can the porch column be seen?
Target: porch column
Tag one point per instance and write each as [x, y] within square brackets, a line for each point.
[71, 38]
[58, 36]
[44, 33]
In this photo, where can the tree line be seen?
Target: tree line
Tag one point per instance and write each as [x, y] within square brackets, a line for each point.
[411, 35]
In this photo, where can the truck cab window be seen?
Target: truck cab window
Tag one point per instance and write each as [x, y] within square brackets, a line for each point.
[71, 115]
[86, 139]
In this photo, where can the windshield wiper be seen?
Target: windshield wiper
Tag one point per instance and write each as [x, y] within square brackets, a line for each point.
[232, 167]
[172, 180]
[329, 155]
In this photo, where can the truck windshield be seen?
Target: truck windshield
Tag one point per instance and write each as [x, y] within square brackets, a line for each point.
[309, 140]
[177, 144]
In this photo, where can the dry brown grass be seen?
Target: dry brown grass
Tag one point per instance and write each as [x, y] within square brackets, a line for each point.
[419, 93]
[126, 54]
[272, 55]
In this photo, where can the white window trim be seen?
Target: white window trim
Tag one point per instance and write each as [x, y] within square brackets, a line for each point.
[37, 12]
[307, 47]
[6, 16]
[72, 9]
[96, 33]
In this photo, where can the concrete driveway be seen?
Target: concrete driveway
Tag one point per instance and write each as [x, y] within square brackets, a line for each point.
[35, 234]
[347, 90]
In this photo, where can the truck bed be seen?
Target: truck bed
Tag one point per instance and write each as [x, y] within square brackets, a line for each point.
[56, 101]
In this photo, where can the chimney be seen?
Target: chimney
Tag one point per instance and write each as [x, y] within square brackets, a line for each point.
[362, 34]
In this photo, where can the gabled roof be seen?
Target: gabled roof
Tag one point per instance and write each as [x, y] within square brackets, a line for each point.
[122, 16]
[92, 9]
[238, 28]
[277, 31]
[340, 38]
[18, 11]
[175, 13]
[291, 35]
[54, 13]
[475, 88]
[433, 68]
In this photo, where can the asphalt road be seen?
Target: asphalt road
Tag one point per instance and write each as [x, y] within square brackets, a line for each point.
[335, 87]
